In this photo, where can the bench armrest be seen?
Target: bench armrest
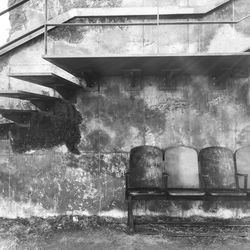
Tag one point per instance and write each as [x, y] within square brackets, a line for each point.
[245, 179]
[127, 184]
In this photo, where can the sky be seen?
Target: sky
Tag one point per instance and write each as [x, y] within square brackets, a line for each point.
[4, 23]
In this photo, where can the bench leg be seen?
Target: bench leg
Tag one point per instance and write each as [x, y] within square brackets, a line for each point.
[131, 226]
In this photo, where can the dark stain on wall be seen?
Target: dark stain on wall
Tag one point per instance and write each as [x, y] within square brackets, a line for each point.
[47, 130]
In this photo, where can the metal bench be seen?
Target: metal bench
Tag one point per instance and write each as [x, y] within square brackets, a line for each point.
[182, 174]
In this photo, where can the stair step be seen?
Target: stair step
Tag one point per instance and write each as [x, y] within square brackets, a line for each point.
[24, 95]
[43, 102]
[49, 76]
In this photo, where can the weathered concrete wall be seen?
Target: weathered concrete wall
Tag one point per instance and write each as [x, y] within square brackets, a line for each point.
[114, 121]
[117, 118]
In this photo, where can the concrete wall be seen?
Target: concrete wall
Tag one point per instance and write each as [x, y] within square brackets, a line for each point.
[117, 117]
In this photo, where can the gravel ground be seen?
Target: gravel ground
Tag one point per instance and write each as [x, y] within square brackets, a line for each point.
[97, 233]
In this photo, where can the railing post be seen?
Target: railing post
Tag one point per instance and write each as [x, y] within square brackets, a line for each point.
[46, 11]
[158, 27]
[45, 27]
[45, 39]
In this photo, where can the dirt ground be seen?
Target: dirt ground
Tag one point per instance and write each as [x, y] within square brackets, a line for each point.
[97, 233]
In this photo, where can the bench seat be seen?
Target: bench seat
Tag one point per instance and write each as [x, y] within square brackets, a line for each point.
[227, 193]
[185, 192]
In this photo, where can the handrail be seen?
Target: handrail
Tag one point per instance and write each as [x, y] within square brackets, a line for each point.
[40, 27]
[13, 7]
[155, 23]
[149, 23]
[46, 27]
[22, 36]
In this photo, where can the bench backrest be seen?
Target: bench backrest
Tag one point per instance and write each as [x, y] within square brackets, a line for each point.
[181, 164]
[145, 167]
[217, 168]
[242, 157]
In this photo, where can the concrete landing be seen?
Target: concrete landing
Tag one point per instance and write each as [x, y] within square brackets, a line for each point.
[151, 64]
[23, 95]
[43, 102]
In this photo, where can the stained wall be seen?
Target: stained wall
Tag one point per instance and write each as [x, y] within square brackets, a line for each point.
[116, 117]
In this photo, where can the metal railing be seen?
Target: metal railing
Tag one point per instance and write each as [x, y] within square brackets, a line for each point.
[156, 23]
[27, 27]
[5, 23]
[14, 6]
